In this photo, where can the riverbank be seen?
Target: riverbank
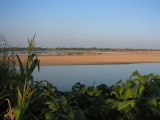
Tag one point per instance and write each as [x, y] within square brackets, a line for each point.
[98, 59]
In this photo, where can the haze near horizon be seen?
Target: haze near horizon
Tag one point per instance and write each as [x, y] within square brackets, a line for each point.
[82, 23]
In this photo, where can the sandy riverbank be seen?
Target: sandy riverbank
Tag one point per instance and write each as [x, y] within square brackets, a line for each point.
[97, 59]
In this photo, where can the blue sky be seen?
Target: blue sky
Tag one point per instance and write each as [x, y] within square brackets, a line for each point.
[82, 23]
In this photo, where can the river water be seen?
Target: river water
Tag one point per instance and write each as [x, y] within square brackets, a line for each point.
[64, 77]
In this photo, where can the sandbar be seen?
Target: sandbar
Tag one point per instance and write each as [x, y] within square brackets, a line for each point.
[99, 59]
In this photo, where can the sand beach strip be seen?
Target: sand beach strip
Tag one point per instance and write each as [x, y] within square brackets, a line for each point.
[99, 59]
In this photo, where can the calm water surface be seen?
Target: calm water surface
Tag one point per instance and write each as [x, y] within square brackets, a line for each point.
[64, 52]
[64, 77]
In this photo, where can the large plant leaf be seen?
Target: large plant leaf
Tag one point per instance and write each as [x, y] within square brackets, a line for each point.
[141, 89]
[141, 79]
[115, 104]
[134, 91]
[127, 94]
[63, 101]
[121, 91]
[135, 73]
[125, 103]
[128, 84]
[22, 71]
[50, 116]
[98, 93]
[120, 82]
[127, 109]
[33, 65]
[17, 111]
[52, 105]
[53, 108]
[153, 100]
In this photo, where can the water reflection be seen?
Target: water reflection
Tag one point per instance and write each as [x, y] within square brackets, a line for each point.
[58, 52]
[64, 77]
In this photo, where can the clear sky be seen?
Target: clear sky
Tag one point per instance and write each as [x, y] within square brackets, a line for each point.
[82, 23]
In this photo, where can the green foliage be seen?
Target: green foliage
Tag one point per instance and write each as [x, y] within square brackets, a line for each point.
[137, 98]
[61, 109]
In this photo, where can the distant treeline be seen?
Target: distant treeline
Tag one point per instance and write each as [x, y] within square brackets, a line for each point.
[76, 48]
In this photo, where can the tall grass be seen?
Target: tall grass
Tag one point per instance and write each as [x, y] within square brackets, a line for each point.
[14, 85]
[7, 70]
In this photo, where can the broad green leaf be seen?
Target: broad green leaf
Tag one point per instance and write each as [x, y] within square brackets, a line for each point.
[50, 116]
[90, 93]
[63, 101]
[113, 93]
[142, 79]
[135, 73]
[33, 65]
[121, 91]
[134, 91]
[128, 84]
[21, 68]
[147, 78]
[16, 111]
[134, 81]
[50, 103]
[98, 93]
[116, 94]
[127, 109]
[115, 104]
[120, 82]
[124, 104]
[153, 100]
[127, 94]
[20, 100]
[53, 107]
[141, 89]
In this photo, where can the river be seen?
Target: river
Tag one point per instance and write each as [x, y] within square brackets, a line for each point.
[64, 77]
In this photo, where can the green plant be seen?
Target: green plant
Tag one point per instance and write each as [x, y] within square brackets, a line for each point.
[20, 80]
[25, 92]
[135, 96]
[7, 70]
[91, 100]
[61, 109]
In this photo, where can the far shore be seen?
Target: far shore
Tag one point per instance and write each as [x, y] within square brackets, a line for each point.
[99, 59]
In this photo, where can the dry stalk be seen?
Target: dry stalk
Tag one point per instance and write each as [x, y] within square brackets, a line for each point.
[10, 113]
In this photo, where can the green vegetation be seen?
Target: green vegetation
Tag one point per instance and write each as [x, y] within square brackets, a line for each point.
[23, 98]
[37, 49]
